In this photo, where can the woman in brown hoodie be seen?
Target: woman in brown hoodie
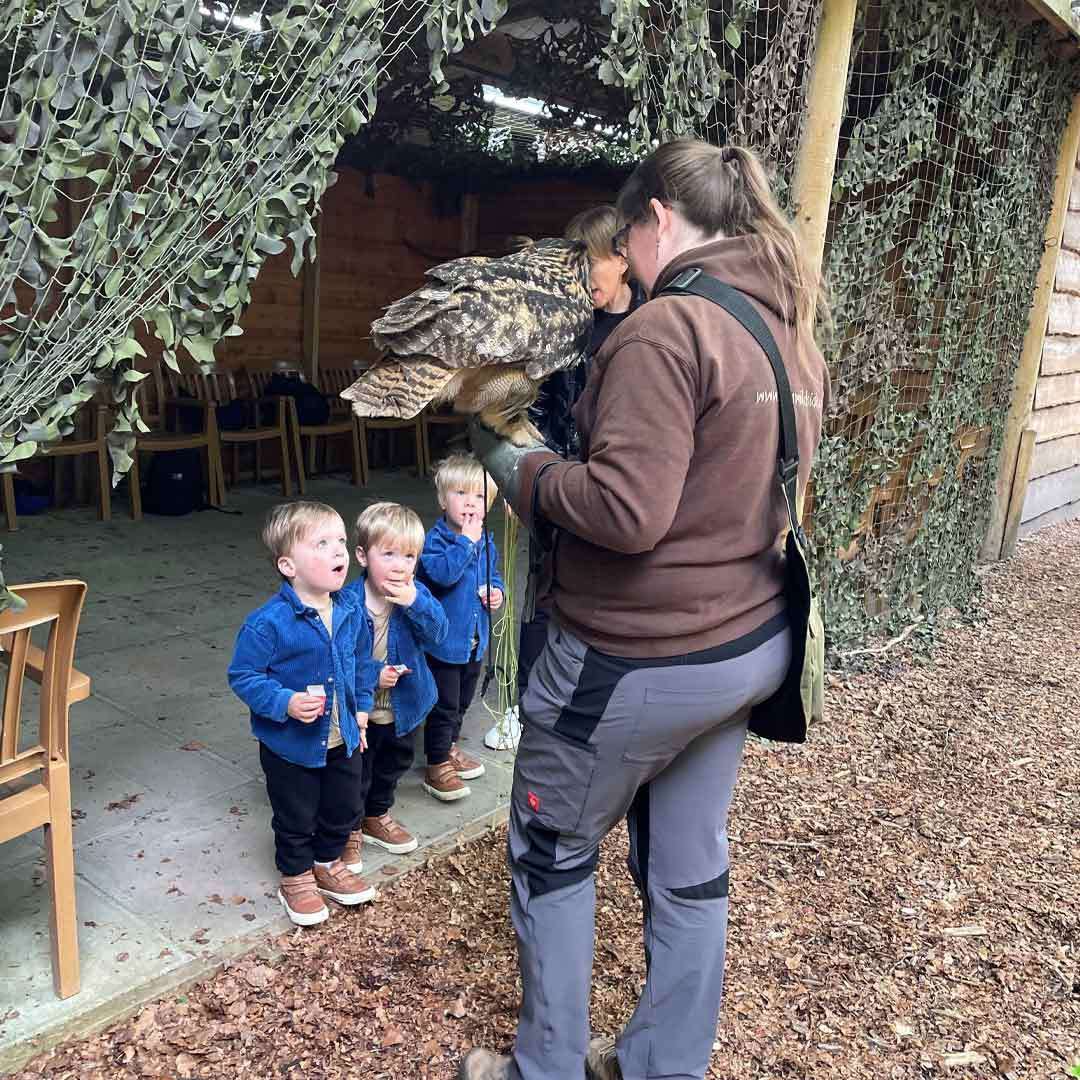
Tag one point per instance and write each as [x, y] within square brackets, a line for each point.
[669, 619]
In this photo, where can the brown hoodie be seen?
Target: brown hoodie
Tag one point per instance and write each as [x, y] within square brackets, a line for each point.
[673, 521]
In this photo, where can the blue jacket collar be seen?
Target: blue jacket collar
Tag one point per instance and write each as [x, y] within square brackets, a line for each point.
[288, 594]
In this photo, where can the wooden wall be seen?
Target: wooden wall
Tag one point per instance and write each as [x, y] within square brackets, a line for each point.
[1054, 486]
[378, 238]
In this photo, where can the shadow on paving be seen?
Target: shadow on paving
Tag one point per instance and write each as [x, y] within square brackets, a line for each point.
[174, 854]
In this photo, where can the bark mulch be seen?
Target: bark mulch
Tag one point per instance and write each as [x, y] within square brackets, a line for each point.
[905, 898]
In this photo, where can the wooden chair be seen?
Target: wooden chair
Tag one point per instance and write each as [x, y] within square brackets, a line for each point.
[444, 417]
[337, 379]
[92, 442]
[165, 400]
[347, 424]
[217, 386]
[58, 605]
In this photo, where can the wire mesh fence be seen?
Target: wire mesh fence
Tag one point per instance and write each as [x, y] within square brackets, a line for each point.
[943, 184]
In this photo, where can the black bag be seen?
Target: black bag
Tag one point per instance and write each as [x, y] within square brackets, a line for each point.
[174, 483]
[311, 407]
[800, 699]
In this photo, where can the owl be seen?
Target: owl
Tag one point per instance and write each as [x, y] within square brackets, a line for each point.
[483, 333]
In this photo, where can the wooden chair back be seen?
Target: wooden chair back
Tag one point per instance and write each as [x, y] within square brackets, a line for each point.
[57, 605]
[45, 803]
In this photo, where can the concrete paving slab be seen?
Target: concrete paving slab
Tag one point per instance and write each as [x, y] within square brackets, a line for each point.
[185, 868]
[116, 950]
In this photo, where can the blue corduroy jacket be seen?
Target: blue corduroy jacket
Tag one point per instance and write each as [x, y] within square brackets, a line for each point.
[455, 569]
[413, 631]
[282, 648]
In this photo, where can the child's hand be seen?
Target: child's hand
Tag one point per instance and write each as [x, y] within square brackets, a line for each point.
[362, 723]
[472, 527]
[402, 594]
[388, 677]
[491, 598]
[307, 708]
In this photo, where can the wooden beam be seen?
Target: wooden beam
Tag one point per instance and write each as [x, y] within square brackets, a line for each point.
[1027, 372]
[1058, 13]
[312, 276]
[815, 168]
[1019, 493]
[816, 164]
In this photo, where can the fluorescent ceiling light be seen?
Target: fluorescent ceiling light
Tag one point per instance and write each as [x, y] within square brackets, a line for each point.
[529, 106]
[239, 22]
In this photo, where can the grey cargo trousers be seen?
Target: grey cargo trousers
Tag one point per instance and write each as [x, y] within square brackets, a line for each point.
[658, 742]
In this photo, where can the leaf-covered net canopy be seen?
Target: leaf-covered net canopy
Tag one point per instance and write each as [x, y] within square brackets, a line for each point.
[154, 152]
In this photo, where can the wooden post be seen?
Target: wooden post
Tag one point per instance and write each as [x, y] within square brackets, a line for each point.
[1027, 372]
[1019, 492]
[811, 190]
[815, 168]
[311, 307]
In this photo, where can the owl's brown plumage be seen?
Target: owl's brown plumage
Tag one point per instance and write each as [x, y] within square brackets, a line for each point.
[482, 333]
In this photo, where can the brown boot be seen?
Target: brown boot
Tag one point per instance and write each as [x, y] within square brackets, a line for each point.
[443, 782]
[466, 767]
[484, 1065]
[339, 884]
[387, 833]
[350, 856]
[300, 898]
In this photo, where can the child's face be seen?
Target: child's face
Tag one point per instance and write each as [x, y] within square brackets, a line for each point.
[388, 559]
[318, 561]
[459, 503]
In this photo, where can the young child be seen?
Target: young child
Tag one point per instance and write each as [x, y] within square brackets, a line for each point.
[302, 664]
[403, 620]
[455, 564]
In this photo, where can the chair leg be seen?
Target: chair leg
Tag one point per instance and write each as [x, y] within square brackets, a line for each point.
[9, 500]
[134, 487]
[286, 467]
[361, 438]
[258, 461]
[312, 446]
[358, 477]
[298, 453]
[418, 435]
[425, 445]
[235, 464]
[60, 859]
[104, 484]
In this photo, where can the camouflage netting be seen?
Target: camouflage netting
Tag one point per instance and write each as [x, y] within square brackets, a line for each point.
[154, 152]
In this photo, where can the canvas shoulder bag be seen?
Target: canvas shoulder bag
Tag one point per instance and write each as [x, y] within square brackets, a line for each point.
[786, 715]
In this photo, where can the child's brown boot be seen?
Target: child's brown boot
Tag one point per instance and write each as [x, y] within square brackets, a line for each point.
[443, 782]
[339, 884]
[466, 767]
[300, 898]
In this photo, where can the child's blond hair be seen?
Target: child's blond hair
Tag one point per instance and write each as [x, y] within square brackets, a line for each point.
[465, 472]
[387, 520]
[288, 523]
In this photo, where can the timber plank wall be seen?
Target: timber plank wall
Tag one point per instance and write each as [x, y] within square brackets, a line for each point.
[379, 235]
[1053, 492]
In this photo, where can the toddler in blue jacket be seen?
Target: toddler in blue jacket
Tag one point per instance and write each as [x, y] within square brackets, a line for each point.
[302, 665]
[403, 620]
[460, 566]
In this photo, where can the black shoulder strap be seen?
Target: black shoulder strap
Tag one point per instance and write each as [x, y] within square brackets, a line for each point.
[736, 304]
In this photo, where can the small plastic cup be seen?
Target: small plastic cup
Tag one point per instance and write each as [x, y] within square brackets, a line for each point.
[318, 691]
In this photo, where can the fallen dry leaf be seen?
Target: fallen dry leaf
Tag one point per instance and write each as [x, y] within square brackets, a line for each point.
[393, 1037]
